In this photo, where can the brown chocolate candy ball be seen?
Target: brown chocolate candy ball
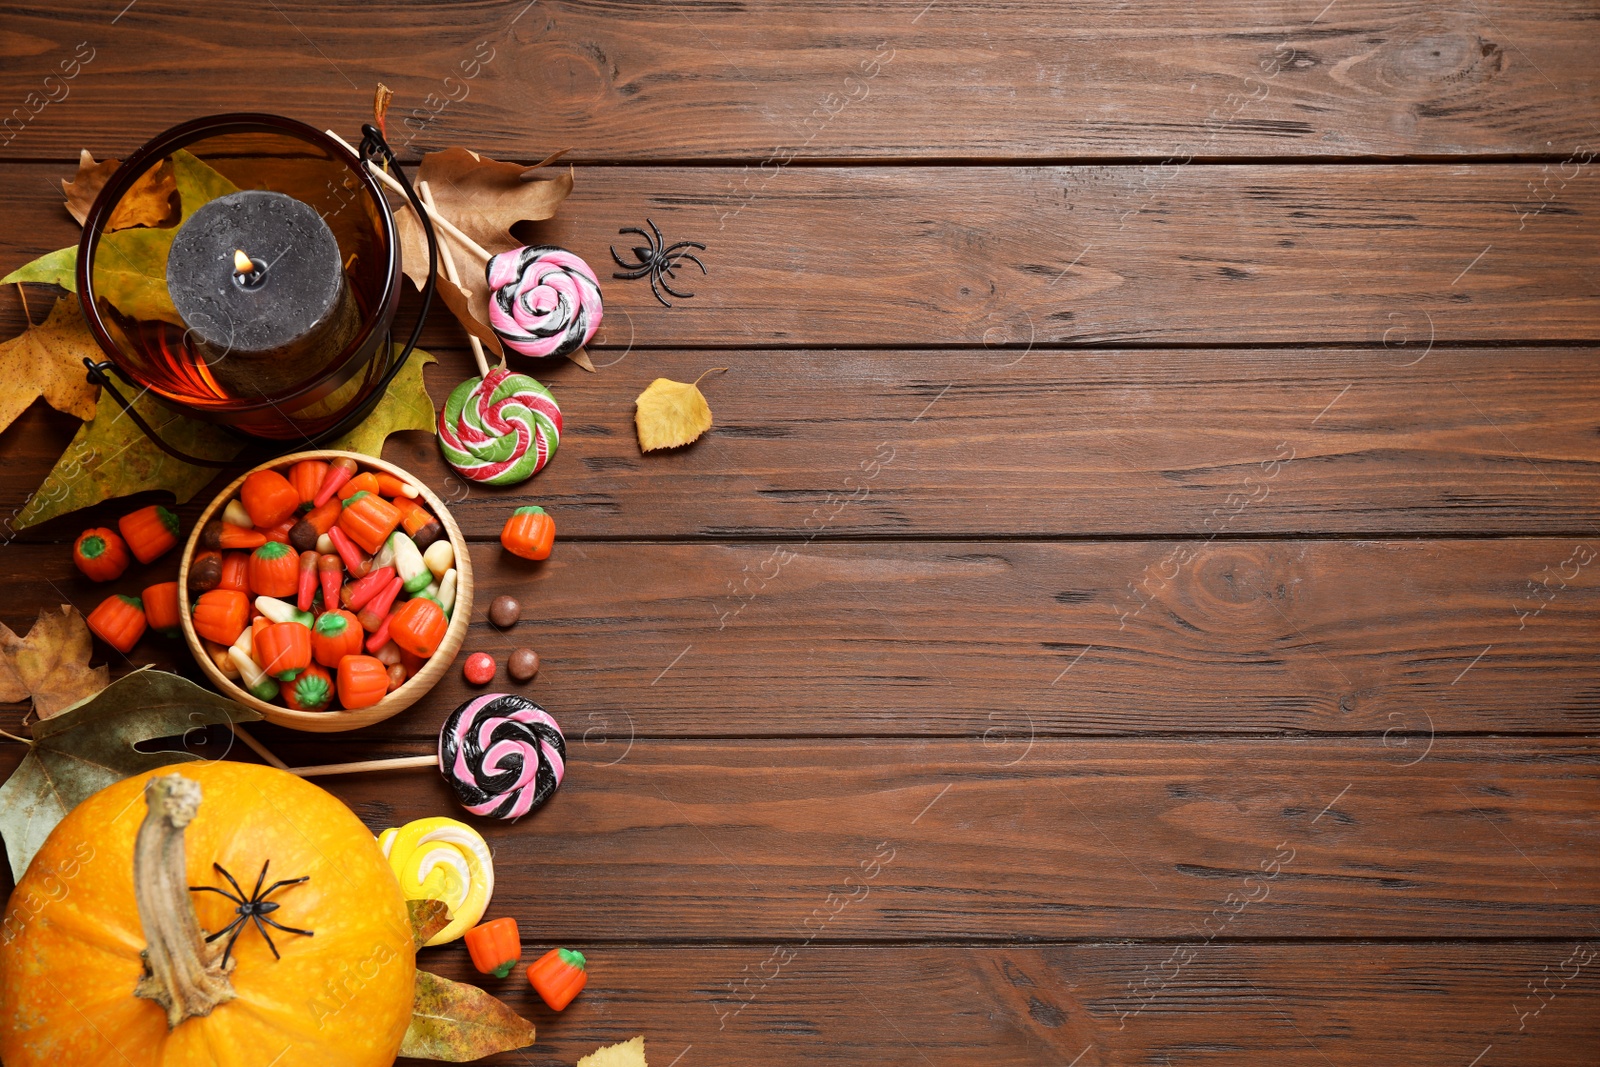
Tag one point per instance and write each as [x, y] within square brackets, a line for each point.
[205, 574]
[505, 611]
[523, 664]
[303, 536]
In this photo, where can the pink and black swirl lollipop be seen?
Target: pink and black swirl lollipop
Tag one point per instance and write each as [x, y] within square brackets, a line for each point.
[503, 753]
[543, 300]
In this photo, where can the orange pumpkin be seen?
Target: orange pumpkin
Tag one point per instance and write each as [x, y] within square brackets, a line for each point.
[70, 955]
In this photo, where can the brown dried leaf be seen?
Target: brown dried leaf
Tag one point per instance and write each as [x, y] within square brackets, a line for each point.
[51, 664]
[47, 360]
[484, 198]
[457, 1023]
[381, 98]
[12, 687]
[531, 173]
[428, 917]
[148, 203]
[459, 301]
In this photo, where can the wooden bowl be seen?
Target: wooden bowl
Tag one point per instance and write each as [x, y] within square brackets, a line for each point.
[395, 702]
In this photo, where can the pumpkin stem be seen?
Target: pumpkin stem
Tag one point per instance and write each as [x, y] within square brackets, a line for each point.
[183, 974]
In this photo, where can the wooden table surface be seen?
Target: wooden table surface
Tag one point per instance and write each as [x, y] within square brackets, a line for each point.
[1139, 602]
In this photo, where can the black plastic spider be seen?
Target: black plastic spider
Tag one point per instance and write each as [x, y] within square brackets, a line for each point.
[659, 260]
[256, 907]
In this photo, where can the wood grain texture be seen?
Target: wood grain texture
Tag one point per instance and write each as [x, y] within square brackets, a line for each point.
[1008, 642]
[788, 79]
[1305, 1005]
[999, 706]
[824, 445]
[1086, 839]
[1031, 256]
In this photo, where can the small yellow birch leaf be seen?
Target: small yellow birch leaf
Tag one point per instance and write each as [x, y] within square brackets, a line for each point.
[669, 413]
[627, 1054]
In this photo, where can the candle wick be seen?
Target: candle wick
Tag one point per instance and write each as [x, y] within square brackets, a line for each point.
[248, 273]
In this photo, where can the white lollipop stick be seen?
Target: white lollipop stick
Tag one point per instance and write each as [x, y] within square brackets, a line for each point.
[366, 765]
[450, 272]
[445, 224]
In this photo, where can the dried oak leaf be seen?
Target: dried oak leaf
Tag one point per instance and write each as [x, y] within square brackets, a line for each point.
[457, 1023]
[629, 1053]
[51, 664]
[147, 203]
[47, 360]
[460, 301]
[90, 745]
[484, 198]
[669, 413]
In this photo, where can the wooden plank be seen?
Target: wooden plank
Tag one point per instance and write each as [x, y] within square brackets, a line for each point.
[1011, 642]
[1078, 839]
[1305, 1005]
[828, 445]
[774, 80]
[1401, 257]
[1086, 444]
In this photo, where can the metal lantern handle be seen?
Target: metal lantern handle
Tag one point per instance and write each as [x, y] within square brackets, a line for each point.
[376, 150]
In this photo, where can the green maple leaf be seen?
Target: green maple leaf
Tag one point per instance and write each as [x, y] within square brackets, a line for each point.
[406, 406]
[55, 268]
[110, 457]
[79, 752]
[458, 1023]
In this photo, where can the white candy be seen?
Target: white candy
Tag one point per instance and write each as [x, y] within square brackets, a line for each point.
[408, 562]
[385, 556]
[250, 674]
[440, 557]
[447, 590]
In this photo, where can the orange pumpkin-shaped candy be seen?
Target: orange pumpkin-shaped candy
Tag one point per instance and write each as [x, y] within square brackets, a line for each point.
[73, 989]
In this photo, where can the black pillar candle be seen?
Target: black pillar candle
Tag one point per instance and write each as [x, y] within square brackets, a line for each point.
[264, 330]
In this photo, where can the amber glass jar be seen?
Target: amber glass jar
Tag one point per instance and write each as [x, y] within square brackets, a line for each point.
[289, 394]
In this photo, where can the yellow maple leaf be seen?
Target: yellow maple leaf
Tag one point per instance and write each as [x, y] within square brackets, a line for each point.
[669, 413]
[47, 361]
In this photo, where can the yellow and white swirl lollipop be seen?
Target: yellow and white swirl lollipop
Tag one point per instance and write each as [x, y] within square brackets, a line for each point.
[442, 859]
